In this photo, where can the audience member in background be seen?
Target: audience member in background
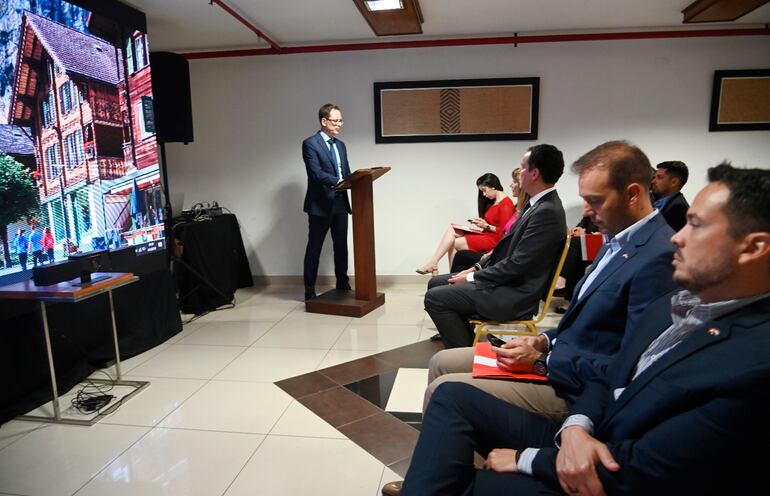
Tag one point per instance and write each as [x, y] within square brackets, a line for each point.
[36, 245]
[574, 267]
[679, 410]
[21, 246]
[495, 209]
[631, 270]
[326, 164]
[48, 244]
[509, 283]
[668, 180]
[465, 259]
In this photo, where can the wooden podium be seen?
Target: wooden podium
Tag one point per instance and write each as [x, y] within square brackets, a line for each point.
[366, 297]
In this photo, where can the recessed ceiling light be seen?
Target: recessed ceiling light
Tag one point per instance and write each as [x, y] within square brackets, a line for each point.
[377, 5]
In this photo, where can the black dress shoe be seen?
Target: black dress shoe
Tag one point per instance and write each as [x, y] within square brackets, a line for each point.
[344, 286]
[436, 337]
[309, 295]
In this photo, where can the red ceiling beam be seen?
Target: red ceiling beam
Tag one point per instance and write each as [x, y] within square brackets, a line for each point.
[274, 46]
[501, 40]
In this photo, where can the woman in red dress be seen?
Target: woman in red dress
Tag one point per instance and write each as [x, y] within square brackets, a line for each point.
[48, 244]
[495, 208]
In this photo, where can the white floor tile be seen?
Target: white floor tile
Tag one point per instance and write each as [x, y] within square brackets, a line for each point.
[301, 334]
[294, 466]
[185, 361]
[14, 430]
[300, 315]
[169, 462]
[391, 314]
[297, 420]
[151, 405]
[58, 459]
[271, 364]
[336, 357]
[376, 337]
[127, 366]
[262, 312]
[407, 392]
[231, 407]
[387, 476]
[228, 333]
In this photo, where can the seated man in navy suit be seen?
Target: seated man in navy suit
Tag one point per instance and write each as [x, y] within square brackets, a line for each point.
[669, 178]
[326, 163]
[633, 269]
[683, 406]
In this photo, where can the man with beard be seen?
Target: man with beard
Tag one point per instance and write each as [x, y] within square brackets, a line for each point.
[687, 394]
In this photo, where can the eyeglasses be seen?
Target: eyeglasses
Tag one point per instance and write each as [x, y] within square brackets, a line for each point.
[336, 122]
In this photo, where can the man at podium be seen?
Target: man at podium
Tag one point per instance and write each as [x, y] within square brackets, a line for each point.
[326, 163]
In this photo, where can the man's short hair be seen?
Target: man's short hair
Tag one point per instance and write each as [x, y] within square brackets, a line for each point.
[548, 160]
[749, 202]
[675, 168]
[326, 110]
[626, 163]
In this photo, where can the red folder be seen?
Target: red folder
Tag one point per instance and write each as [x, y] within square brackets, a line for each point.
[460, 229]
[590, 244]
[485, 366]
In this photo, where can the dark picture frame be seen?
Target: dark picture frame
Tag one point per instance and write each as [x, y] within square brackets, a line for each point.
[740, 100]
[447, 116]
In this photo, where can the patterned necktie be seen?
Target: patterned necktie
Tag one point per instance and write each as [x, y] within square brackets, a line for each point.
[335, 157]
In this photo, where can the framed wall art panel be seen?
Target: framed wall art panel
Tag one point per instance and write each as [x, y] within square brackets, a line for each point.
[740, 100]
[456, 110]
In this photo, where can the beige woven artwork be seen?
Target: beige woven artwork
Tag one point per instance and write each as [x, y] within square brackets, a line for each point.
[467, 110]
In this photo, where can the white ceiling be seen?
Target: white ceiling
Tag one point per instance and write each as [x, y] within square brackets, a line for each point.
[194, 25]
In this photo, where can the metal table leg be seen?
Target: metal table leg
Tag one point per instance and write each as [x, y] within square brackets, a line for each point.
[54, 387]
[118, 374]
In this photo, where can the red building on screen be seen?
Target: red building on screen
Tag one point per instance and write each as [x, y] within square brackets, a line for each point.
[89, 105]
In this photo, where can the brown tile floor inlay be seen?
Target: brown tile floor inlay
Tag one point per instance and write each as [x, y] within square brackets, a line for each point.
[339, 406]
[370, 432]
[384, 436]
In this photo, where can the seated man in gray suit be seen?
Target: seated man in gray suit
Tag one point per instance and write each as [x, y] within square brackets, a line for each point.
[508, 285]
[630, 271]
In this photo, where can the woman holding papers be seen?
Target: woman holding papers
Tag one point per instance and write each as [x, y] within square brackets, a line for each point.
[495, 209]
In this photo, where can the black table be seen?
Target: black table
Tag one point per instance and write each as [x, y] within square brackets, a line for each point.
[212, 263]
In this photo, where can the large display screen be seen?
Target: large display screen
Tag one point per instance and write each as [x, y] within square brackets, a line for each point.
[79, 168]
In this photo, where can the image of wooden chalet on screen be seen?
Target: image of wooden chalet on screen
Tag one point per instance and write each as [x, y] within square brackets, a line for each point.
[456, 110]
[87, 103]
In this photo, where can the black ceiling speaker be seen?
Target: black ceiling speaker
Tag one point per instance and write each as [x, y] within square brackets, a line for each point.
[171, 97]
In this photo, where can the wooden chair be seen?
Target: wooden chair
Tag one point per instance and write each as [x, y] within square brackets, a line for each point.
[482, 326]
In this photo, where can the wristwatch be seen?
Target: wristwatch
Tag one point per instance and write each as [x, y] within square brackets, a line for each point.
[541, 366]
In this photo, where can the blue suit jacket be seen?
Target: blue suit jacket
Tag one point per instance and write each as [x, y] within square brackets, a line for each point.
[675, 211]
[694, 422]
[322, 174]
[593, 327]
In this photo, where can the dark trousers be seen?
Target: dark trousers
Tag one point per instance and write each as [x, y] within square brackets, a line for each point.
[50, 254]
[449, 307]
[464, 259]
[461, 419]
[37, 257]
[574, 268]
[318, 226]
[23, 261]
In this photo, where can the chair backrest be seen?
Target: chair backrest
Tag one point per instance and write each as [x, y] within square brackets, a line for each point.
[558, 264]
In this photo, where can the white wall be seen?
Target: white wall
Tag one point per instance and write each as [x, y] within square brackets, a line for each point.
[251, 114]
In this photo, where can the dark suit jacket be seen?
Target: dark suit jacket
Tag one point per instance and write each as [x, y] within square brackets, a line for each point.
[519, 268]
[591, 330]
[675, 211]
[322, 174]
[694, 422]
